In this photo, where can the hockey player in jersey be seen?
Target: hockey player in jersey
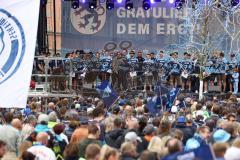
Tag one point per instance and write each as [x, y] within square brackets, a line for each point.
[175, 70]
[221, 71]
[187, 69]
[161, 62]
[148, 64]
[230, 68]
[133, 62]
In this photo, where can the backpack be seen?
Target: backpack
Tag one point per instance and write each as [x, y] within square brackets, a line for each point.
[58, 148]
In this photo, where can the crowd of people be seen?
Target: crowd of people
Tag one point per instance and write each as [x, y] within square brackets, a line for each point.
[144, 69]
[85, 129]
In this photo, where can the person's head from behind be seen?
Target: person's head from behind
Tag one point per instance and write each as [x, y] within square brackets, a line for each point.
[204, 132]
[128, 149]
[147, 155]
[118, 123]
[3, 148]
[98, 112]
[92, 152]
[42, 138]
[93, 131]
[174, 145]
[8, 116]
[16, 123]
[28, 156]
[24, 147]
[219, 149]
[71, 150]
[108, 153]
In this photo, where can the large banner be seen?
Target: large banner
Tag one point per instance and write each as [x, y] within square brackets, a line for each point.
[18, 30]
[161, 27]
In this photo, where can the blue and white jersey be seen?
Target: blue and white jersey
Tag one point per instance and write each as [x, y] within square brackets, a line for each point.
[187, 65]
[220, 65]
[162, 63]
[210, 66]
[133, 63]
[148, 65]
[231, 65]
[175, 67]
[106, 63]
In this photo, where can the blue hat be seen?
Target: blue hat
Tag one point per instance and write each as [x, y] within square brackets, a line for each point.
[181, 119]
[221, 136]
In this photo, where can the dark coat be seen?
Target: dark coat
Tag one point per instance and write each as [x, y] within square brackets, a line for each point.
[115, 138]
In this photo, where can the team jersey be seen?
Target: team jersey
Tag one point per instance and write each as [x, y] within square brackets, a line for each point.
[133, 63]
[187, 65]
[220, 65]
[106, 63]
[148, 65]
[231, 65]
[175, 67]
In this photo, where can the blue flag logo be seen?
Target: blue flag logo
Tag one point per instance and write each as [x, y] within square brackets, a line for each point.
[107, 93]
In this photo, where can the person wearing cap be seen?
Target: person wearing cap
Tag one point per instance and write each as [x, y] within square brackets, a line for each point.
[181, 125]
[42, 125]
[221, 136]
[149, 132]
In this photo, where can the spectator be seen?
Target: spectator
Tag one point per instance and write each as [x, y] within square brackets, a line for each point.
[11, 136]
[71, 152]
[3, 148]
[93, 136]
[146, 155]
[108, 153]
[219, 149]
[92, 152]
[40, 150]
[114, 138]
[200, 138]
[128, 150]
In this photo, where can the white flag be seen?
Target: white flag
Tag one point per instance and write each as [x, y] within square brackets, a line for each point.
[18, 31]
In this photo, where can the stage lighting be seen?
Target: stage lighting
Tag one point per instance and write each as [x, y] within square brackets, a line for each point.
[152, 1]
[110, 4]
[129, 5]
[146, 4]
[171, 1]
[75, 4]
[119, 1]
[179, 4]
[92, 4]
[234, 2]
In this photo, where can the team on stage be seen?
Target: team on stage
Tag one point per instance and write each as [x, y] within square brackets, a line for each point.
[141, 70]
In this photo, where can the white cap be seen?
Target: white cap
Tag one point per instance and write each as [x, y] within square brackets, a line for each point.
[174, 109]
[132, 136]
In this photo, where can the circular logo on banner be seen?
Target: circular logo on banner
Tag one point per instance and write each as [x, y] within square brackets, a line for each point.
[12, 45]
[88, 21]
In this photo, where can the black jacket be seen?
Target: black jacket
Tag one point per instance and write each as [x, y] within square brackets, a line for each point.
[115, 138]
